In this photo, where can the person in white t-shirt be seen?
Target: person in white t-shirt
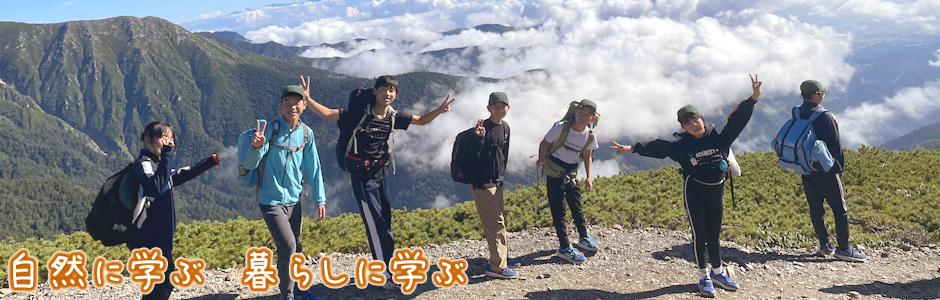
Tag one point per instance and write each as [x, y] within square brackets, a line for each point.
[567, 144]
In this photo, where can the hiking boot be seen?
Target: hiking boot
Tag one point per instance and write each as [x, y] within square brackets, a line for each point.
[587, 244]
[723, 281]
[513, 263]
[849, 255]
[706, 288]
[570, 254]
[826, 249]
[505, 273]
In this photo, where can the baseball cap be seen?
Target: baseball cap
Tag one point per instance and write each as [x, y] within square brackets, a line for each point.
[586, 102]
[688, 109]
[498, 97]
[293, 89]
[812, 87]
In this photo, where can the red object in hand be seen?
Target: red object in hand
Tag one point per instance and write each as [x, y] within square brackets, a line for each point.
[215, 157]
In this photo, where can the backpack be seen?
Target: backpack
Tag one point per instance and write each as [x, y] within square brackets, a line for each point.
[797, 147]
[460, 168]
[359, 100]
[111, 220]
[253, 178]
[554, 170]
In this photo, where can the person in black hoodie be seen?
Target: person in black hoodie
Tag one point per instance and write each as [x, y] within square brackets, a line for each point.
[827, 186]
[155, 174]
[702, 153]
[488, 152]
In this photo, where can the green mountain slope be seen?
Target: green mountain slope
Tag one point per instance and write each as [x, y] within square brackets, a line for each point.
[76, 96]
[927, 137]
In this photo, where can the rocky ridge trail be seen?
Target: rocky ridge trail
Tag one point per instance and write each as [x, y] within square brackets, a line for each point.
[632, 264]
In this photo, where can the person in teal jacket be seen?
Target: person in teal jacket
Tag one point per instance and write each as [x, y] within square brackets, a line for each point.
[286, 159]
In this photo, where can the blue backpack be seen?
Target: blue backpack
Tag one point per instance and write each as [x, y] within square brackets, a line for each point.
[252, 178]
[798, 148]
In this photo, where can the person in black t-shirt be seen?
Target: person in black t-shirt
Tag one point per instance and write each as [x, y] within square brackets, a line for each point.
[369, 184]
[488, 152]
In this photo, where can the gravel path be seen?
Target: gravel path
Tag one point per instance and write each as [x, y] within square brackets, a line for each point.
[632, 264]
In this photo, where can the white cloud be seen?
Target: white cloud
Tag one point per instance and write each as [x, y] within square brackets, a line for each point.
[68, 3]
[935, 63]
[441, 201]
[640, 60]
[873, 122]
[210, 15]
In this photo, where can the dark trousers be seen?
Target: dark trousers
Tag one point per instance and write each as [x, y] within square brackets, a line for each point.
[376, 214]
[284, 223]
[559, 193]
[705, 207]
[161, 290]
[828, 189]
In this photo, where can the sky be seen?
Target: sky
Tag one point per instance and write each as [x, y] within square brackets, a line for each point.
[640, 60]
[176, 11]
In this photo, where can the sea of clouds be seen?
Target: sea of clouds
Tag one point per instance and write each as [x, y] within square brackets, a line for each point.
[639, 60]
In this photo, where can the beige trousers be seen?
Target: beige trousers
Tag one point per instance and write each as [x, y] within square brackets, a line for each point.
[489, 204]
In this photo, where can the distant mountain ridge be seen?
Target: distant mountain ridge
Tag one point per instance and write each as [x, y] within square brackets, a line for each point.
[927, 137]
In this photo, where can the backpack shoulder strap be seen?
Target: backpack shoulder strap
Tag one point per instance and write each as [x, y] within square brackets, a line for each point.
[561, 138]
[817, 113]
[795, 112]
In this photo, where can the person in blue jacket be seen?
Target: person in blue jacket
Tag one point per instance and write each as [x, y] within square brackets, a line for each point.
[156, 176]
[702, 152]
[290, 157]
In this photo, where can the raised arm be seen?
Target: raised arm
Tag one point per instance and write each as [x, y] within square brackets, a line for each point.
[740, 115]
[428, 117]
[319, 109]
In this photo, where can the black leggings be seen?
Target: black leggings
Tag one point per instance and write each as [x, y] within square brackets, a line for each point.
[705, 208]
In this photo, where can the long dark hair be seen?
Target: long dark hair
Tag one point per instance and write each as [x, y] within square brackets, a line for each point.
[156, 129]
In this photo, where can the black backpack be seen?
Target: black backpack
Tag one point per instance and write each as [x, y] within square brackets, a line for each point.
[110, 221]
[460, 168]
[360, 101]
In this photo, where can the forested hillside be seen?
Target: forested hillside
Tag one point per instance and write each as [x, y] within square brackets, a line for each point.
[893, 199]
[75, 96]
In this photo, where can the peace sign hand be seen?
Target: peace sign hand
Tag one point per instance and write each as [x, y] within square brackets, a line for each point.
[755, 85]
[446, 105]
[480, 130]
[621, 149]
[258, 139]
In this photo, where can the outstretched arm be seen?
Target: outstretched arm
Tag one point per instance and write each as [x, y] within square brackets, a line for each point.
[428, 117]
[319, 109]
[184, 174]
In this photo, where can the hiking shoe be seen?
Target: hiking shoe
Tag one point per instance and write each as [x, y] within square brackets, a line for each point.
[505, 273]
[570, 254]
[826, 249]
[723, 281]
[849, 255]
[310, 296]
[587, 243]
[513, 263]
[705, 288]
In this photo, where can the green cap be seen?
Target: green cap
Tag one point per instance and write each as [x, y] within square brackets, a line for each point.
[296, 89]
[688, 109]
[586, 102]
[498, 97]
[812, 87]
